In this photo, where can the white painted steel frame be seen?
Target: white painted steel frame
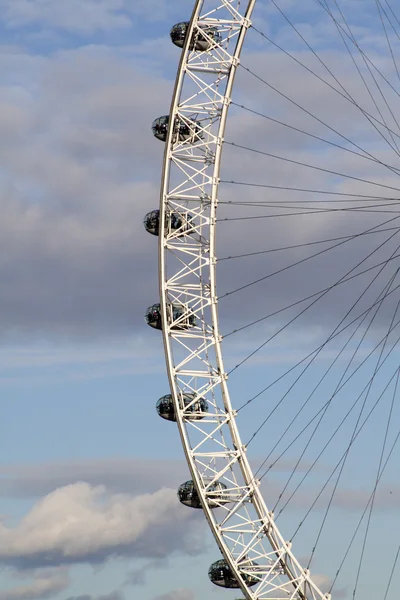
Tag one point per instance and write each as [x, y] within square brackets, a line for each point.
[243, 527]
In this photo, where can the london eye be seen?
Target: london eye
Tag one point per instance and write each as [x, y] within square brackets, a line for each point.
[305, 172]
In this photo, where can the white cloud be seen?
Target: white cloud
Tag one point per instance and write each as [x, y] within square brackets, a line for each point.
[80, 523]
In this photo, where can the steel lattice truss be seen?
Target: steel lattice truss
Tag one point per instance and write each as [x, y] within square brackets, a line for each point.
[238, 516]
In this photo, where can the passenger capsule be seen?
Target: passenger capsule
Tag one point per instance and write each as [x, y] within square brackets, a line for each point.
[220, 574]
[174, 222]
[188, 495]
[204, 37]
[184, 130]
[193, 410]
[179, 317]
[153, 316]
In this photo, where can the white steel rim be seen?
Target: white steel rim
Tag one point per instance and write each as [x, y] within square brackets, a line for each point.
[244, 529]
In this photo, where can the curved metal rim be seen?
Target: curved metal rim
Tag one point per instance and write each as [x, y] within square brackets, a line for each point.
[270, 530]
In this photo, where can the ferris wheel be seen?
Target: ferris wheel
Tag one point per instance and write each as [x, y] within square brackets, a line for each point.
[356, 328]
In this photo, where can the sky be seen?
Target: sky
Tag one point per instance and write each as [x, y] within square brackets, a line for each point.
[88, 471]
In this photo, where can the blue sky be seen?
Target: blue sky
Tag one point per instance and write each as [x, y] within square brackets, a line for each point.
[80, 372]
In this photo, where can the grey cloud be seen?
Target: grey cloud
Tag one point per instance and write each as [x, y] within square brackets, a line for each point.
[127, 476]
[136, 577]
[32, 364]
[113, 596]
[118, 475]
[139, 576]
[133, 477]
[83, 241]
[82, 266]
[387, 498]
[77, 260]
[344, 499]
[45, 583]
[180, 594]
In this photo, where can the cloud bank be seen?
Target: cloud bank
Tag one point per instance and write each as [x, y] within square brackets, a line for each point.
[80, 523]
[45, 583]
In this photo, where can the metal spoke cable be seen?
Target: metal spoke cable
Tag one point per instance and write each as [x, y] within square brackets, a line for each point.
[329, 70]
[305, 244]
[314, 355]
[351, 441]
[322, 411]
[389, 18]
[393, 569]
[344, 454]
[308, 166]
[313, 116]
[367, 87]
[319, 295]
[295, 189]
[381, 10]
[281, 310]
[306, 210]
[287, 205]
[376, 482]
[365, 155]
[371, 118]
[350, 36]
[260, 279]
[277, 203]
[270, 385]
[336, 430]
[380, 299]
[357, 429]
[361, 520]
[303, 39]
[367, 62]
[393, 13]
[307, 258]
